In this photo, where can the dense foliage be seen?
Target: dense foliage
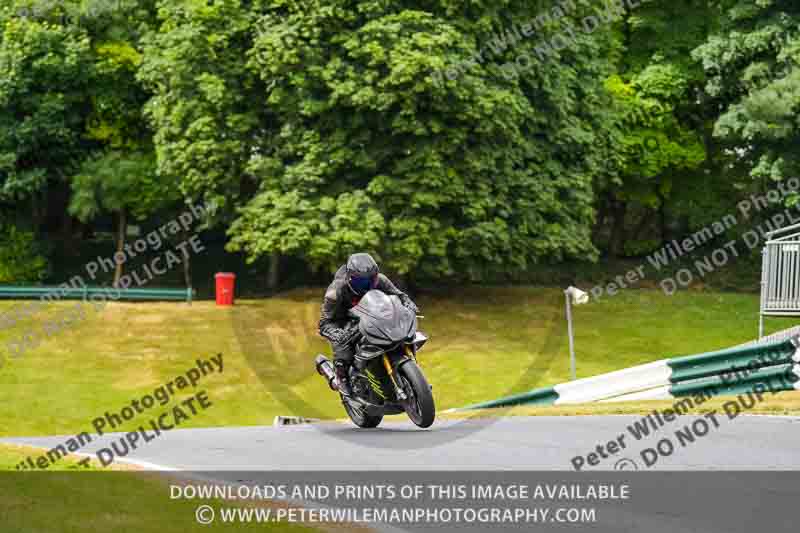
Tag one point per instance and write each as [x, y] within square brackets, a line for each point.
[752, 75]
[21, 257]
[450, 138]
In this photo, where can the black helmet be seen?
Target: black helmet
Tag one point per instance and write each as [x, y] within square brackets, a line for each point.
[362, 273]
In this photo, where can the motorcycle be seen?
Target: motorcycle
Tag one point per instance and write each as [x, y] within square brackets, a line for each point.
[385, 378]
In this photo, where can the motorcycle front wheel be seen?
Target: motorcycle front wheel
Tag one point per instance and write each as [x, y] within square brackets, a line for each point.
[419, 406]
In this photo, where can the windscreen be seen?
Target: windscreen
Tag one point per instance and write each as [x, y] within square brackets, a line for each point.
[383, 319]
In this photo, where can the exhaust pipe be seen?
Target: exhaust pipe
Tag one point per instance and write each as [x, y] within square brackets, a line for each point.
[325, 369]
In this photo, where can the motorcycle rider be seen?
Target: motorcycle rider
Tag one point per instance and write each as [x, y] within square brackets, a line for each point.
[353, 280]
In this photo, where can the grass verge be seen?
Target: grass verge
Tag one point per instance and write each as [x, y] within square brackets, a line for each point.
[61, 501]
[485, 343]
[12, 455]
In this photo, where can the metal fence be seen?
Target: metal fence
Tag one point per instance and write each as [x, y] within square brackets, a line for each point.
[50, 294]
[780, 275]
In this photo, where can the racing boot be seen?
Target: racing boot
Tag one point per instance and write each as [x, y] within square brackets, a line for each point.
[343, 377]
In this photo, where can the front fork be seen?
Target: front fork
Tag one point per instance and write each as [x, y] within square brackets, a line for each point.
[399, 392]
[387, 363]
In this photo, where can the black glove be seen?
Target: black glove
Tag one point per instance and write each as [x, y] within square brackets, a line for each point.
[351, 331]
[342, 335]
[335, 335]
[408, 304]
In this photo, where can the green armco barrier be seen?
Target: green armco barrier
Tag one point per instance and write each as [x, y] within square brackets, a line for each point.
[773, 378]
[545, 396]
[757, 368]
[726, 361]
[85, 293]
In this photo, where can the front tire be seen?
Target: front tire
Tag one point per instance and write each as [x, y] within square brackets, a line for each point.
[419, 406]
[360, 417]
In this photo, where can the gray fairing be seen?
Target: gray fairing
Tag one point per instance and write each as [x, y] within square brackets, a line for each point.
[384, 322]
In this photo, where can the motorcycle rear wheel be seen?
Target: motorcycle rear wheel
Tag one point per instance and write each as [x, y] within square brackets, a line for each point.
[360, 417]
[419, 406]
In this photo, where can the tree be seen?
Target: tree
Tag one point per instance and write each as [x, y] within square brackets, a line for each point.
[207, 108]
[294, 225]
[46, 75]
[21, 257]
[372, 149]
[70, 94]
[119, 174]
[661, 124]
[751, 61]
[120, 183]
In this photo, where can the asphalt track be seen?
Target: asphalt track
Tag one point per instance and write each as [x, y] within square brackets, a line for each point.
[515, 443]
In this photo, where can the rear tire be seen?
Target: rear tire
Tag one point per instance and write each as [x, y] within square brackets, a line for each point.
[419, 406]
[359, 417]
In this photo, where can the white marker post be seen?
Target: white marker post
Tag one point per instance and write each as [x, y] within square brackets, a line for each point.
[573, 295]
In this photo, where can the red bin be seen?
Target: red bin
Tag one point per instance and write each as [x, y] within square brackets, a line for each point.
[226, 286]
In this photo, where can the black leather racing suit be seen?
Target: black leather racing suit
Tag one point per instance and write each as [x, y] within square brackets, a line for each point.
[339, 299]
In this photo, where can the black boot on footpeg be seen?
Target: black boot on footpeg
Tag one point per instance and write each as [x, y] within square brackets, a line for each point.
[343, 378]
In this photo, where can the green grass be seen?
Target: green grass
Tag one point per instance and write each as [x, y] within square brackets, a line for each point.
[12, 455]
[485, 343]
[122, 502]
